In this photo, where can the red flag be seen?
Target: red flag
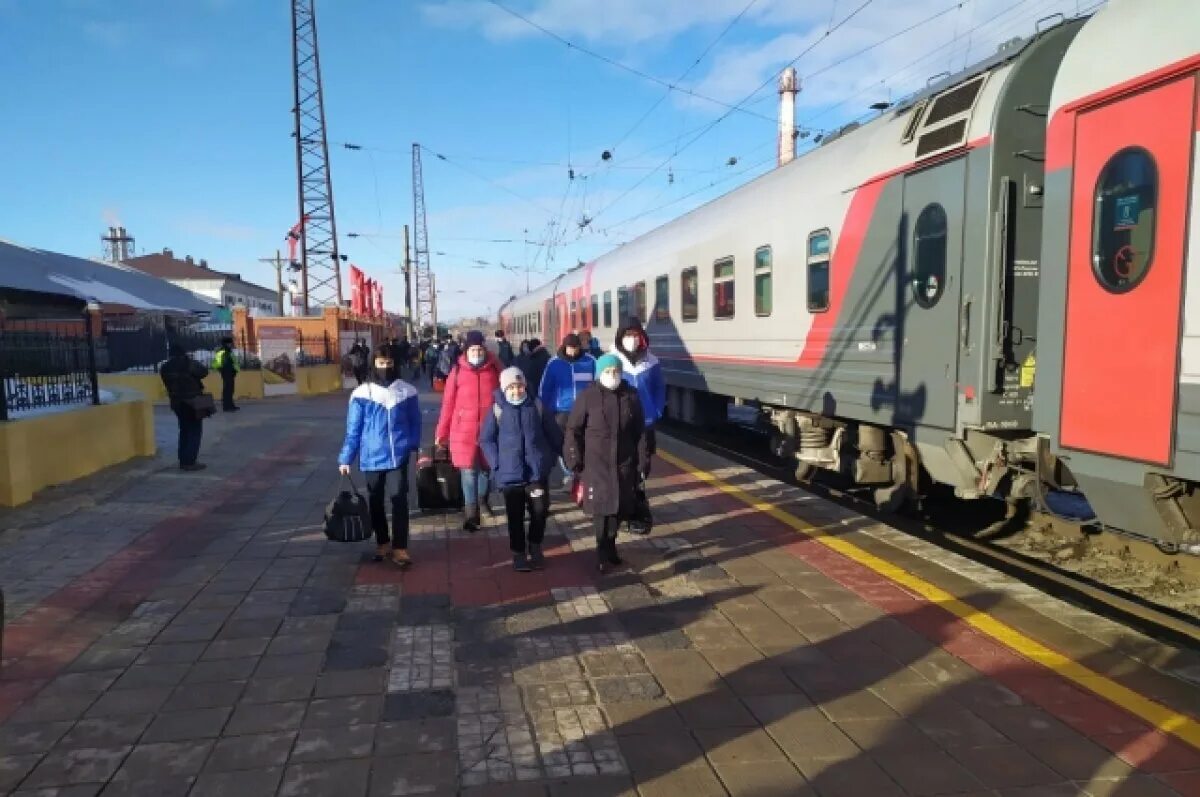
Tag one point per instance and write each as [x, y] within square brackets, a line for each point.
[378, 299]
[356, 289]
[370, 296]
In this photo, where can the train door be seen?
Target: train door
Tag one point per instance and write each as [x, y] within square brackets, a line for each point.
[550, 315]
[1129, 195]
[928, 297]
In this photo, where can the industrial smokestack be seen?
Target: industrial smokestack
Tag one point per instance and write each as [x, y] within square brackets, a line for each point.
[789, 86]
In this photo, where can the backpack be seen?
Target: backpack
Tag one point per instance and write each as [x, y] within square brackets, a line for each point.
[348, 517]
[445, 362]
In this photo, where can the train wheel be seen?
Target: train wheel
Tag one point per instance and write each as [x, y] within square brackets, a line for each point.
[805, 472]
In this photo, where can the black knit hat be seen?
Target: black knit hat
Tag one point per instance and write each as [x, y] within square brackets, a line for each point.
[474, 338]
[572, 340]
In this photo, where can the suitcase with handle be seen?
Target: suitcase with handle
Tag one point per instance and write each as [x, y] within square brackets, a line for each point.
[439, 486]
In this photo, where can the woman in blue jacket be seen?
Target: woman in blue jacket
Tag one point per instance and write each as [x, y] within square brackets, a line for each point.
[383, 426]
[520, 442]
[565, 377]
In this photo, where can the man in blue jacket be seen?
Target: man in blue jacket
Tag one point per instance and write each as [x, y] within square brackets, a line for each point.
[519, 441]
[565, 377]
[383, 426]
[643, 372]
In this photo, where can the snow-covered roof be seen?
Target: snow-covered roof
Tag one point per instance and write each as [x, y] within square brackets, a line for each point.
[28, 269]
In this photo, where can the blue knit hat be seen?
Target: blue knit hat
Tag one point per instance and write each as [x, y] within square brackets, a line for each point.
[606, 362]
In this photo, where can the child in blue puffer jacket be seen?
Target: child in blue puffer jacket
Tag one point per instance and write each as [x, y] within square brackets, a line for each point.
[383, 426]
[520, 442]
[566, 376]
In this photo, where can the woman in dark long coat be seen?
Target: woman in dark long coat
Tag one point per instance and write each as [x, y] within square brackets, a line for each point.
[606, 444]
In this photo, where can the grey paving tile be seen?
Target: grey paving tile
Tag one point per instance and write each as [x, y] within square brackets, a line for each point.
[26, 738]
[415, 774]
[266, 718]
[328, 744]
[78, 790]
[416, 736]
[332, 778]
[275, 666]
[53, 708]
[129, 784]
[172, 653]
[351, 682]
[177, 726]
[336, 712]
[251, 752]
[141, 676]
[107, 731]
[277, 690]
[214, 694]
[167, 759]
[129, 701]
[14, 768]
[256, 782]
[419, 705]
[63, 767]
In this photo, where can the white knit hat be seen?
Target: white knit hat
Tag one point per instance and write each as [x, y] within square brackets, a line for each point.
[511, 376]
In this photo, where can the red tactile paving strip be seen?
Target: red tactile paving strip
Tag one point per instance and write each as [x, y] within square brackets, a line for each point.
[477, 571]
[44, 640]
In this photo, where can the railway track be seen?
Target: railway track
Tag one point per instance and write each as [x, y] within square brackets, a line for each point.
[1057, 557]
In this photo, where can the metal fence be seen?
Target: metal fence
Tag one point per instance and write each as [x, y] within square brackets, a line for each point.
[145, 348]
[47, 364]
[317, 350]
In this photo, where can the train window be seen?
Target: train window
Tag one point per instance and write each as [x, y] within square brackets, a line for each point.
[818, 271]
[1123, 221]
[762, 280]
[639, 302]
[723, 288]
[608, 308]
[573, 318]
[595, 319]
[622, 305]
[689, 294]
[929, 255]
[662, 298]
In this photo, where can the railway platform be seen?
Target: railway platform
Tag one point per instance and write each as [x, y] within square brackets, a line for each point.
[195, 634]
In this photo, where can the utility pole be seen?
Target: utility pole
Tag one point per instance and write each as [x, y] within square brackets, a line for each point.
[320, 263]
[408, 286]
[425, 290]
[277, 262]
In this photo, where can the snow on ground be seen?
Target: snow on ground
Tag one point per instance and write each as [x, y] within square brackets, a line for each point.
[66, 396]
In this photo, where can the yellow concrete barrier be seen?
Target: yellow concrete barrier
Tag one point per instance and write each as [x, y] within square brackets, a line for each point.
[314, 379]
[249, 384]
[45, 450]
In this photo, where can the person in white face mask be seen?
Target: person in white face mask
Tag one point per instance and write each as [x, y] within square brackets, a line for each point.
[607, 447]
[519, 442]
[466, 405]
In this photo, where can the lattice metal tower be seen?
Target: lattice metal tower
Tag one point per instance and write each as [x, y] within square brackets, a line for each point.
[425, 297]
[320, 265]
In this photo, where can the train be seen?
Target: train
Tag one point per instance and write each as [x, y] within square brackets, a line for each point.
[993, 285]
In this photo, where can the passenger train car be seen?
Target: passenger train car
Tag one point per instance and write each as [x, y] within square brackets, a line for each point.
[992, 285]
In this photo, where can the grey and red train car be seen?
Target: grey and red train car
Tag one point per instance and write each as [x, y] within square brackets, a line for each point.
[987, 286]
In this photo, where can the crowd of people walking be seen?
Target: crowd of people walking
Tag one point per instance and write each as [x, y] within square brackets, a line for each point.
[508, 421]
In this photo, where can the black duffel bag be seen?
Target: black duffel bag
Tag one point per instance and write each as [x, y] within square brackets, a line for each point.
[348, 517]
[642, 520]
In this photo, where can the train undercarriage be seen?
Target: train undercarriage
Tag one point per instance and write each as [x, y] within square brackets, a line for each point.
[1017, 466]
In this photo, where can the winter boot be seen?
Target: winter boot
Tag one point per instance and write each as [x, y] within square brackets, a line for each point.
[471, 518]
[536, 558]
[521, 563]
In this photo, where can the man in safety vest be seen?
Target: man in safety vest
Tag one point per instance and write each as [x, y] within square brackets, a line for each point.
[226, 365]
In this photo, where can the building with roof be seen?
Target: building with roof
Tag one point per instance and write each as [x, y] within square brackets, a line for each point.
[220, 287]
[35, 283]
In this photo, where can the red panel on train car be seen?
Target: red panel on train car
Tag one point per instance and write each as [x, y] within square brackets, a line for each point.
[1129, 202]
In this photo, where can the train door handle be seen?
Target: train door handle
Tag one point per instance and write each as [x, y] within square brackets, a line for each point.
[964, 326]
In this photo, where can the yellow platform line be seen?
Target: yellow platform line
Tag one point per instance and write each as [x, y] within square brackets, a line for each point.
[1157, 715]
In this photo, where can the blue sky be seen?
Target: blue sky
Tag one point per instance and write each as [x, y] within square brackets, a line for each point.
[172, 117]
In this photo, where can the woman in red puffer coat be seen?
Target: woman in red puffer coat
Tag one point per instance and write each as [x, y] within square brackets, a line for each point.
[466, 404]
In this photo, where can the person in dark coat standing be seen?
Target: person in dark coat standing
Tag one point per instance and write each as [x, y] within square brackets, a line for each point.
[184, 380]
[358, 360]
[504, 351]
[226, 365]
[519, 441]
[533, 363]
[607, 446]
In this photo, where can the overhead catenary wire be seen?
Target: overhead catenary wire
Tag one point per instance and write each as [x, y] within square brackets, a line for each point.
[696, 62]
[619, 65]
[704, 130]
